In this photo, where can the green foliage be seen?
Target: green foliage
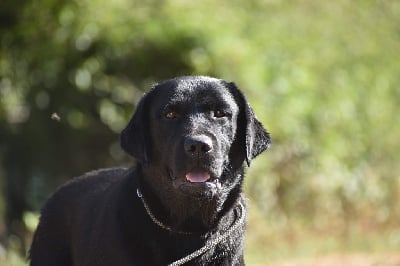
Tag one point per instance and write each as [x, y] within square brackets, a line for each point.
[322, 76]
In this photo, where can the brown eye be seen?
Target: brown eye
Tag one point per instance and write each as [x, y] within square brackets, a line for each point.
[219, 113]
[170, 115]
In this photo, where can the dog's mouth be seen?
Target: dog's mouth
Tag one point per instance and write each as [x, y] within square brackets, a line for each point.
[197, 183]
[197, 176]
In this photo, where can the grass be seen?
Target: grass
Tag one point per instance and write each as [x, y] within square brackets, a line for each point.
[271, 242]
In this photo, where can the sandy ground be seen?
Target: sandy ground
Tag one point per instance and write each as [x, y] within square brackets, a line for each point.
[386, 259]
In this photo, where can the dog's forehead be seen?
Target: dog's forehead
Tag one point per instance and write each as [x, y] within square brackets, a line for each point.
[204, 90]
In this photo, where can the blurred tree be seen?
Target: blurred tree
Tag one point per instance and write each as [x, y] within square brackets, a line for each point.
[55, 60]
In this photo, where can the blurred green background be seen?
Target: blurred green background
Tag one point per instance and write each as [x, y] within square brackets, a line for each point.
[322, 76]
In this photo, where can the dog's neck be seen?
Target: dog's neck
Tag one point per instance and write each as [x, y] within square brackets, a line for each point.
[189, 214]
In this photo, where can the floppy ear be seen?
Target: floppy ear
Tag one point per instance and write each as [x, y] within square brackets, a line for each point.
[257, 139]
[133, 137]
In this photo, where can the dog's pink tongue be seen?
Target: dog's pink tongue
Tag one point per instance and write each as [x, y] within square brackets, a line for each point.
[197, 177]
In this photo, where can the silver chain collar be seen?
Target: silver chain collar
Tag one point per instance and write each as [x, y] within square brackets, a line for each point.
[210, 244]
[154, 219]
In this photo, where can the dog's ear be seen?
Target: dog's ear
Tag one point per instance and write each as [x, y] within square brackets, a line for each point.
[133, 137]
[256, 139]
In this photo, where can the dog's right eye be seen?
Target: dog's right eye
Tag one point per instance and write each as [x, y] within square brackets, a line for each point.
[219, 113]
[170, 115]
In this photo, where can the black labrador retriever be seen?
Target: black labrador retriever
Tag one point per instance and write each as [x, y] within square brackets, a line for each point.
[181, 204]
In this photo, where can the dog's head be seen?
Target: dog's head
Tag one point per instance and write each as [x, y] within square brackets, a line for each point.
[193, 135]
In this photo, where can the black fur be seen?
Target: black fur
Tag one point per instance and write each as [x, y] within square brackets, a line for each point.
[183, 129]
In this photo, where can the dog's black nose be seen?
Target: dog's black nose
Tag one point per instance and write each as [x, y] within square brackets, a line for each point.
[197, 145]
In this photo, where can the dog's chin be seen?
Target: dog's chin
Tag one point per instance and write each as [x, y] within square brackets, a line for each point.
[207, 189]
[195, 198]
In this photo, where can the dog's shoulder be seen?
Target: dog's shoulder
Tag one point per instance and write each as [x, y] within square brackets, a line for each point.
[81, 208]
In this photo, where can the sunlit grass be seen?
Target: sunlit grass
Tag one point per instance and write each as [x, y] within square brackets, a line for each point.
[269, 241]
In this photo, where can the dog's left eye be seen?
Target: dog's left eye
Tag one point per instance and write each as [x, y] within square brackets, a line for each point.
[170, 115]
[219, 113]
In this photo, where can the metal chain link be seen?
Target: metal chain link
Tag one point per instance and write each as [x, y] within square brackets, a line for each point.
[213, 242]
[208, 245]
[155, 220]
